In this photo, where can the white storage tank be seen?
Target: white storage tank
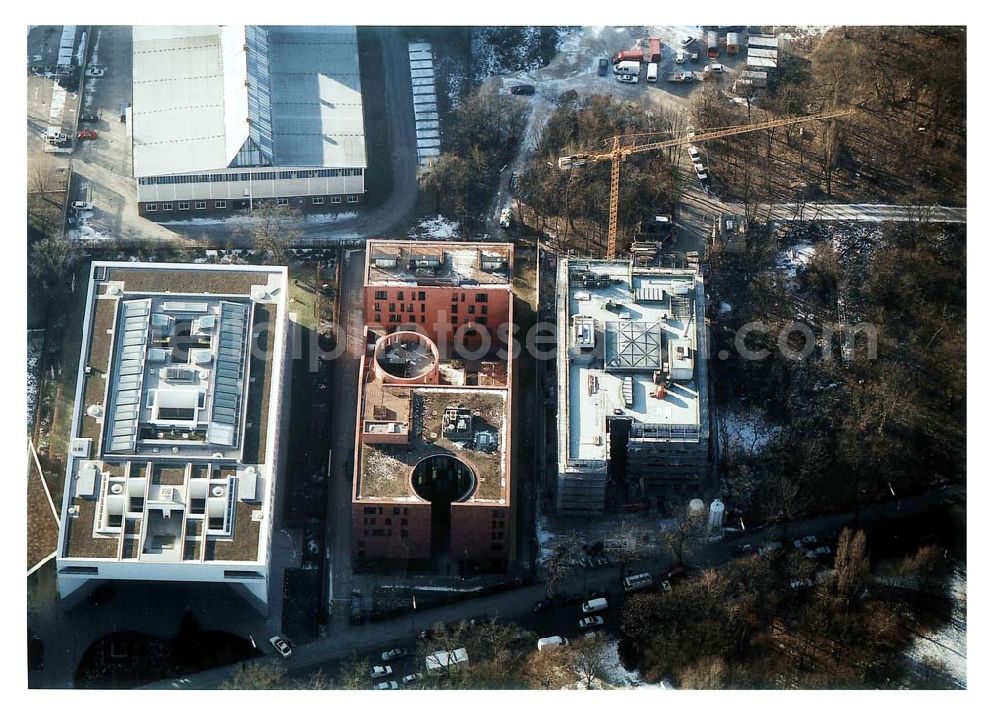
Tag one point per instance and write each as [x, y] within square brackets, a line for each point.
[715, 514]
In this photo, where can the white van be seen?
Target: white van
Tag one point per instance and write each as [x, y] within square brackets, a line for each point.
[627, 67]
[651, 69]
[594, 605]
[546, 644]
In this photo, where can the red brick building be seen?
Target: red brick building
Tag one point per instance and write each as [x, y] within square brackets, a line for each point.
[432, 473]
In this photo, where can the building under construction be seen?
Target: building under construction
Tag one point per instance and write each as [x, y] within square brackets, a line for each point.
[633, 379]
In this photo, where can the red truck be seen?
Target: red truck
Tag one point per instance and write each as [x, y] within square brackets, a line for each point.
[654, 49]
[621, 55]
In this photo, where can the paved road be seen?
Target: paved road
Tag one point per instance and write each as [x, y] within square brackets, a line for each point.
[394, 214]
[815, 211]
[864, 212]
[513, 604]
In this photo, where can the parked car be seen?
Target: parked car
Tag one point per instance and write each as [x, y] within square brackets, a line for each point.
[380, 672]
[94, 71]
[387, 686]
[88, 117]
[86, 135]
[81, 206]
[591, 622]
[602, 66]
[281, 646]
[394, 653]
[687, 41]
[819, 552]
[522, 90]
[628, 79]
[410, 678]
[694, 153]
[544, 605]
[769, 547]
[693, 54]
[699, 169]
[809, 540]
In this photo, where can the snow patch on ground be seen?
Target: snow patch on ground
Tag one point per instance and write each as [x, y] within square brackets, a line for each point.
[35, 341]
[795, 258]
[946, 646]
[618, 677]
[745, 430]
[436, 228]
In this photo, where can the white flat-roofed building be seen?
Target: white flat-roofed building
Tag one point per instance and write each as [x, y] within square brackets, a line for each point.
[225, 116]
[175, 446]
[632, 379]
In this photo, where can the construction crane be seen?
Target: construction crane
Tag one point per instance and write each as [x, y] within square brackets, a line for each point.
[620, 150]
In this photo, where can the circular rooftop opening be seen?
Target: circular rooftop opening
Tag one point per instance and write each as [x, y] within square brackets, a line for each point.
[406, 358]
[443, 478]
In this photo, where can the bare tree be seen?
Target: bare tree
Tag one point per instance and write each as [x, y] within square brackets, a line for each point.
[274, 230]
[257, 676]
[688, 528]
[354, 674]
[851, 563]
[590, 660]
[51, 261]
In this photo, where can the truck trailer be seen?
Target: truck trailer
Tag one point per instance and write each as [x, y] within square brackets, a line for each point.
[712, 44]
[654, 49]
[732, 43]
[627, 55]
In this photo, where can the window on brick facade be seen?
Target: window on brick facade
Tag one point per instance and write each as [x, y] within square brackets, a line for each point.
[482, 297]
[388, 521]
[381, 294]
[421, 296]
[369, 509]
[454, 309]
[399, 296]
[404, 533]
[404, 522]
[483, 309]
[472, 309]
[496, 547]
[183, 205]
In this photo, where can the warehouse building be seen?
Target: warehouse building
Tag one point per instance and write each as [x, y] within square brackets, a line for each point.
[633, 384]
[175, 447]
[433, 482]
[227, 116]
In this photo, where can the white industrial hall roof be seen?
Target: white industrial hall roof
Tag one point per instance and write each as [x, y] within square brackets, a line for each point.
[201, 94]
